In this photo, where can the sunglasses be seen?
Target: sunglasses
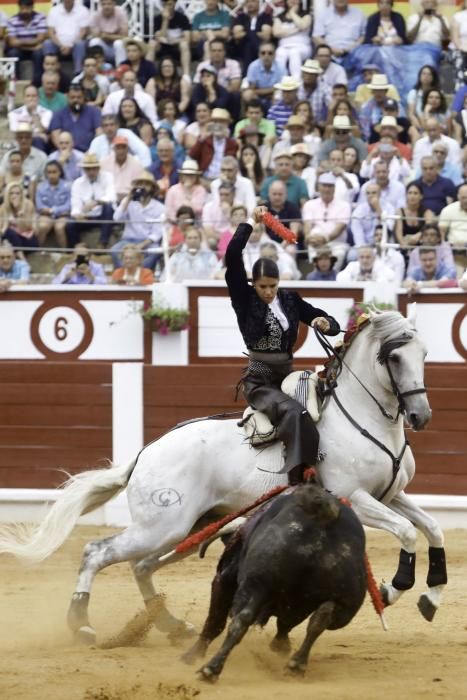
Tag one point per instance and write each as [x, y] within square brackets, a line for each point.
[341, 131]
[266, 53]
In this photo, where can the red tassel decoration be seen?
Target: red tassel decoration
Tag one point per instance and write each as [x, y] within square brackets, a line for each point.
[275, 225]
[211, 529]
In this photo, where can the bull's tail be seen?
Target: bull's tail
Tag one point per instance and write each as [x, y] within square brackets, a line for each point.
[80, 494]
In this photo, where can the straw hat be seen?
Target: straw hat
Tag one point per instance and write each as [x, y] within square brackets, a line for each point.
[300, 149]
[324, 252]
[189, 167]
[145, 177]
[311, 66]
[287, 84]
[90, 160]
[23, 128]
[295, 120]
[219, 113]
[390, 122]
[379, 82]
[283, 153]
[138, 41]
[341, 122]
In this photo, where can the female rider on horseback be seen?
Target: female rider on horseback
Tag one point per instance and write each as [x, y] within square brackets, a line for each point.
[268, 319]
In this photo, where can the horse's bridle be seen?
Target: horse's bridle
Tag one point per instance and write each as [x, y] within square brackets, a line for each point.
[330, 390]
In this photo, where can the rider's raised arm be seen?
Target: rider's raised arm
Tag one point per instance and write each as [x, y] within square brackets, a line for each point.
[235, 274]
[308, 313]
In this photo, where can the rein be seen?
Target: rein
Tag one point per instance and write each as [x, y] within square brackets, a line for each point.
[331, 391]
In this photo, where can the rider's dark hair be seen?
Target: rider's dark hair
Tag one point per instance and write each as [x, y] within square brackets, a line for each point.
[264, 267]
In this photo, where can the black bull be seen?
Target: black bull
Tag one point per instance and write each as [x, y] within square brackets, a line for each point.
[303, 555]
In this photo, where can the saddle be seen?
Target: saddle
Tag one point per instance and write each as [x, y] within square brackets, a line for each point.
[301, 386]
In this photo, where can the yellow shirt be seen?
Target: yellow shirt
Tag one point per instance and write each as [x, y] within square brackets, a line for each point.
[363, 94]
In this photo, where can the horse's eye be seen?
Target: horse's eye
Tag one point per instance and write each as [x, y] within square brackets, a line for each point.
[394, 359]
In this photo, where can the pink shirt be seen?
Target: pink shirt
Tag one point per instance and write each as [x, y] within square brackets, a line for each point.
[325, 217]
[116, 24]
[177, 196]
[122, 175]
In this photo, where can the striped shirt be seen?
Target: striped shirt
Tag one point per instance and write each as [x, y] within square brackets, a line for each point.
[16, 26]
[279, 113]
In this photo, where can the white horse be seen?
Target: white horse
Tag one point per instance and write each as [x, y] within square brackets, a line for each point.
[206, 468]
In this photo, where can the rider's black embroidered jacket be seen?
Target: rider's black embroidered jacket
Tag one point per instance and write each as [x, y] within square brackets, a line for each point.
[258, 329]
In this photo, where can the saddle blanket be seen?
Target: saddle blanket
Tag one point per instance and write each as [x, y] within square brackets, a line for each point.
[300, 386]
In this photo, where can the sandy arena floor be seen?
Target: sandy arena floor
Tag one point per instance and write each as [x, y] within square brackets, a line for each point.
[414, 659]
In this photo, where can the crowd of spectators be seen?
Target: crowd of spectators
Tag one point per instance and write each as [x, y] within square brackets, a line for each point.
[171, 141]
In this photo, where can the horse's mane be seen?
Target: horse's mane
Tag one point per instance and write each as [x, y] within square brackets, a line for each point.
[392, 330]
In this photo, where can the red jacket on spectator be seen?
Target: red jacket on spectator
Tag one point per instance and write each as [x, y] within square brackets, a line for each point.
[203, 151]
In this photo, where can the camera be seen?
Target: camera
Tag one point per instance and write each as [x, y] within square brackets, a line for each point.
[138, 193]
[429, 12]
[82, 260]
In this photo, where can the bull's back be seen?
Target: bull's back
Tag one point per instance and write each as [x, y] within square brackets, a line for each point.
[295, 558]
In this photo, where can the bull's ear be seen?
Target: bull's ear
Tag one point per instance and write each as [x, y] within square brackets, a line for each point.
[412, 314]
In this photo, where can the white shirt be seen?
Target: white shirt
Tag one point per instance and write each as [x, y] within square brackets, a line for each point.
[21, 116]
[399, 169]
[83, 190]
[342, 192]
[68, 25]
[276, 309]
[103, 83]
[333, 74]
[379, 273]
[454, 219]
[244, 192]
[145, 102]
[429, 29]
[423, 147]
[101, 146]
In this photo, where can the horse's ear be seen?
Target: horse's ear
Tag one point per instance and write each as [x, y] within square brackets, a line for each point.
[412, 314]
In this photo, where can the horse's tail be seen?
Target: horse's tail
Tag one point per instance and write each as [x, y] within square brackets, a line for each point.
[80, 494]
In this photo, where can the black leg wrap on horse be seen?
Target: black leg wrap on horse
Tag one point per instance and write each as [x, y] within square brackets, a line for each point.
[437, 573]
[405, 575]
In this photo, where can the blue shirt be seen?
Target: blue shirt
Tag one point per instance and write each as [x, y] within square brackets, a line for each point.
[442, 271]
[340, 31]
[280, 113]
[258, 76]
[458, 101]
[96, 269]
[18, 271]
[57, 198]
[435, 195]
[72, 167]
[317, 276]
[82, 125]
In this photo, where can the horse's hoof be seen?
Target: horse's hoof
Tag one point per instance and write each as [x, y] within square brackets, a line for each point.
[426, 607]
[384, 593]
[296, 667]
[280, 646]
[85, 636]
[206, 673]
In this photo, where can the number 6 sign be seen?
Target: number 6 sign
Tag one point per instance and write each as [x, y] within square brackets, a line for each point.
[61, 332]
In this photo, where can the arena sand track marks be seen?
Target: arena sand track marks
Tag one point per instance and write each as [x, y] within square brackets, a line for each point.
[414, 660]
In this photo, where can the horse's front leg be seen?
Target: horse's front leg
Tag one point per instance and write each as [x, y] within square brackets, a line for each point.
[430, 601]
[375, 514]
